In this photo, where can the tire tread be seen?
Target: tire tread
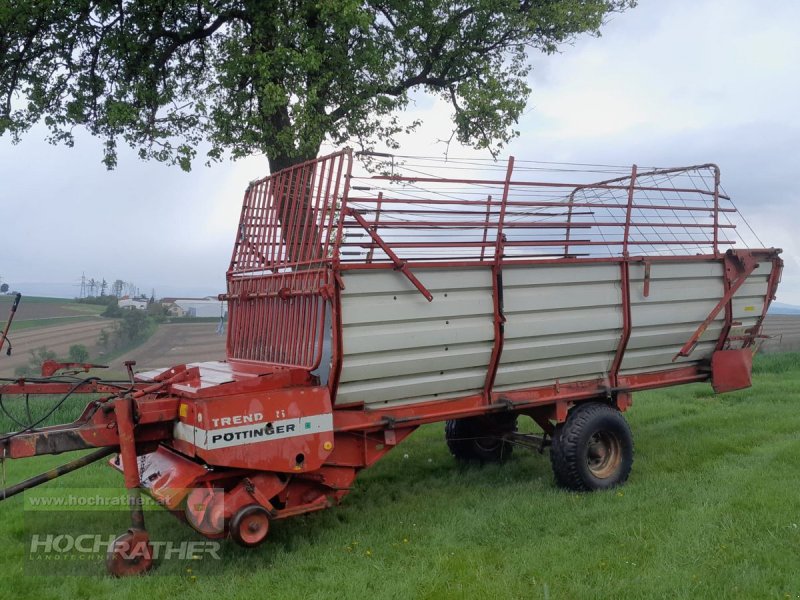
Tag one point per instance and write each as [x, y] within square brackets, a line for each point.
[565, 449]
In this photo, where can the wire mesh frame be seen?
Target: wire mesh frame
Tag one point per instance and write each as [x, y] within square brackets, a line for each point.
[280, 279]
[426, 217]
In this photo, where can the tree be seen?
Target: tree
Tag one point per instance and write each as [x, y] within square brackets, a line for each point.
[4, 288]
[112, 309]
[134, 326]
[240, 77]
[78, 353]
[103, 339]
[157, 312]
[38, 357]
[116, 288]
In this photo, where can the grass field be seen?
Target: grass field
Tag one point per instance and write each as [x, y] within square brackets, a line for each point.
[175, 344]
[25, 324]
[55, 323]
[711, 510]
[36, 311]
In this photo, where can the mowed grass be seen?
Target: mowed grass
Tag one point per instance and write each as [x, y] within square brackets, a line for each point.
[712, 510]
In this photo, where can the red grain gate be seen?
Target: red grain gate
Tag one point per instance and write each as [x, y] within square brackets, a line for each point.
[281, 280]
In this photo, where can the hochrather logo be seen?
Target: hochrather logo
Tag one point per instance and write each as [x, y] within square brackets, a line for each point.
[60, 546]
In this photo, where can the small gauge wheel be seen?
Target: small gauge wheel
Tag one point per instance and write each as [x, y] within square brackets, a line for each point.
[130, 554]
[250, 525]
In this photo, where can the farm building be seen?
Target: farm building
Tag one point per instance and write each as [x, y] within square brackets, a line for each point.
[133, 303]
[195, 307]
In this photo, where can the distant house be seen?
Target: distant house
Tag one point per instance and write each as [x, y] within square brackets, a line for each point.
[173, 310]
[195, 307]
[132, 303]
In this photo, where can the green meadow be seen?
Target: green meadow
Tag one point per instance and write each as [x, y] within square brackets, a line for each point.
[711, 510]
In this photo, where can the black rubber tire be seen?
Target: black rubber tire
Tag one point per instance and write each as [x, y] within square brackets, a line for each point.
[238, 530]
[592, 449]
[479, 438]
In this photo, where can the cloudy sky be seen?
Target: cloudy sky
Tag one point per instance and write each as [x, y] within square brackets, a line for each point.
[673, 82]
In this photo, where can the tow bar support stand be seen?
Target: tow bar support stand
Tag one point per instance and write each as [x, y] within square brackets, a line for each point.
[131, 553]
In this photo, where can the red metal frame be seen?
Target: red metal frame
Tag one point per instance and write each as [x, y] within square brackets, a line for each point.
[280, 280]
[499, 318]
[738, 267]
[399, 265]
[670, 216]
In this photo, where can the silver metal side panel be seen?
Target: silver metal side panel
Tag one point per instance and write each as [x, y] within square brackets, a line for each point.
[399, 348]
[562, 322]
[748, 303]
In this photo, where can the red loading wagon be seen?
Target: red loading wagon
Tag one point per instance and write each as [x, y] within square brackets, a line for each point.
[363, 306]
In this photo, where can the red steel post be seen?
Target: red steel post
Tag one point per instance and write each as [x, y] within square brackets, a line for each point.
[628, 212]
[375, 224]
[716, 209]
[486, 226]
[123, 410]
[625, 287]
[497, 288]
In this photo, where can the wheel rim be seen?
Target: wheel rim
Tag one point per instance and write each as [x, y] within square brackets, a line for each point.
[253, 528]
[604, 454]
[204, 511]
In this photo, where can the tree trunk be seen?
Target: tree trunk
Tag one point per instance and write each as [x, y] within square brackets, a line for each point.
[298, 219]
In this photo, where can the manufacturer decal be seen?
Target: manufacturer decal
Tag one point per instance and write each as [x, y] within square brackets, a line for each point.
[226, 437]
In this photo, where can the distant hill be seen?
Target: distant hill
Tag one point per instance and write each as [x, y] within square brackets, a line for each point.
[779, 308]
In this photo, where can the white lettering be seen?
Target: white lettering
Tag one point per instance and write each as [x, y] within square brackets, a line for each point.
[47, 543]
[63, 543]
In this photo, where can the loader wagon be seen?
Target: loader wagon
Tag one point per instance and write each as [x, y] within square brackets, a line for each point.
[364, 303]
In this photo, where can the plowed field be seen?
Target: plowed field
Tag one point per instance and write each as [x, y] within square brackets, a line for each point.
[175, 344]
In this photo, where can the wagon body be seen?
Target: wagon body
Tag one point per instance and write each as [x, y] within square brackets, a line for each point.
[490, 287]
[363, 305]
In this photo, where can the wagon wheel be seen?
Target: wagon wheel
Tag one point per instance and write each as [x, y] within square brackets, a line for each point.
[250, 525]
[593, 449]
[130, 554]
[480, 438]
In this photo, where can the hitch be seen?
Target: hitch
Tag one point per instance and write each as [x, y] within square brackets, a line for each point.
[58, 471]
[51, 367]
[131, 421]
